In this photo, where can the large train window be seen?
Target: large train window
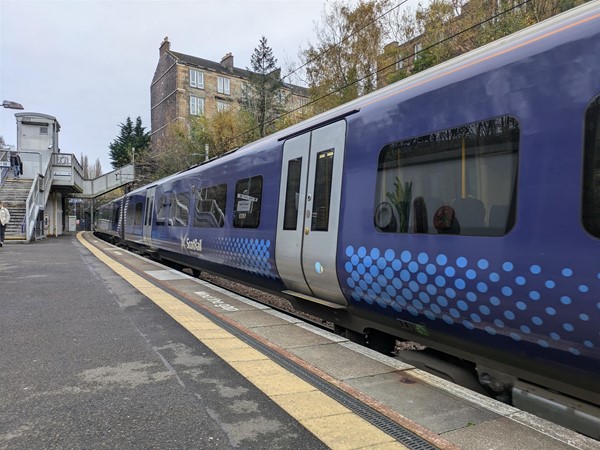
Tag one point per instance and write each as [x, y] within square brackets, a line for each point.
[292, 194]
[590, 212]
[163, 207]
[179, 211]
[210, 207]
[246, 207]
[455, 181]
[133, 212]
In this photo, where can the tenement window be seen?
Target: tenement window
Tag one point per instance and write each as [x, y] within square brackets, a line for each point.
[196, 79]
[223, 85]
[196, 106]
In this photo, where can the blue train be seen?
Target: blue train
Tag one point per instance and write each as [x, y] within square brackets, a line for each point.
[459, 208]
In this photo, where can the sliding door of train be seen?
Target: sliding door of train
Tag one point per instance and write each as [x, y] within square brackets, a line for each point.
[309, 207]
[148, 215]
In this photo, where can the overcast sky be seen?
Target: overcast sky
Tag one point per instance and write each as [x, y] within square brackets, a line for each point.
[89, 63]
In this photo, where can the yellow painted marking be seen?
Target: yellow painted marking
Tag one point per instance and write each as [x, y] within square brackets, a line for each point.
[282, 383]
[332, 423]
[304, 405]
[346, 431]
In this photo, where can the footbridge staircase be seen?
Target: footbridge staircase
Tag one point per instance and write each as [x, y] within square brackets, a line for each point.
[47, 180]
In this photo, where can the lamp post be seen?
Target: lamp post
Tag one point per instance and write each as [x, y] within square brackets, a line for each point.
[11, 105]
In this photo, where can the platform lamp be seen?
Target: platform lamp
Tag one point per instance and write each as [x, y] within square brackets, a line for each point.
[11, 105]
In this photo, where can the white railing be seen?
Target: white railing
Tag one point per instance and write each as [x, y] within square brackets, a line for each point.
[4, 166]
[108, 182]
[32, 209]
[36, 201]
[63, 169]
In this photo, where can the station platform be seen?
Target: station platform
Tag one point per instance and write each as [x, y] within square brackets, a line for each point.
[104, 348]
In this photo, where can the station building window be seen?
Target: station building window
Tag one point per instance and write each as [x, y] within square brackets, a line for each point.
[455, 181]
[590, 210]
[246, 209]
[210, 205]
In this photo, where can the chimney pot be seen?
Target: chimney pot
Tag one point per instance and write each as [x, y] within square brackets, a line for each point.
[227, 61]
[165, 46]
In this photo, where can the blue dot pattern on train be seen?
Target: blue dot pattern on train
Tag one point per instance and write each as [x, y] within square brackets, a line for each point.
[250, 255]
[441, 289]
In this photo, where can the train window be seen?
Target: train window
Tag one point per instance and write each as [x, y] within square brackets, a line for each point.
[139, 206]
[163, 206]
[129, 212]
[117, 215]
[322, 191]
[179, 210]
[455, 181]
[590, 212]
[246, 207]
[292, 194]
[210, 207]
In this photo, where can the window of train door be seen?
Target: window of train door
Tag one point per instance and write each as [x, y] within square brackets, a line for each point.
[147, 231]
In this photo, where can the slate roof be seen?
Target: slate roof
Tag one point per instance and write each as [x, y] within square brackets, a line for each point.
[217, 67]
[212, 65]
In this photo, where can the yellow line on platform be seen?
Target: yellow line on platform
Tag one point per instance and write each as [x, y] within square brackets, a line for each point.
[332, 423]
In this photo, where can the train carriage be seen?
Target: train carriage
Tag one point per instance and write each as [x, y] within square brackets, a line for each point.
[459, 208]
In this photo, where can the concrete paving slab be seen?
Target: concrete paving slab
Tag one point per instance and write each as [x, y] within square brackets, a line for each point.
[255, 319]
[413, 399]
[340, 362]
[290, 336]
[502, 434]
[166, 274]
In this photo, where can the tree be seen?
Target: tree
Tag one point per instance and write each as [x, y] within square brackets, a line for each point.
[448, 28]
[263, 95]
[130, 137]
[186, 144]
[90, 172]
[342, 64]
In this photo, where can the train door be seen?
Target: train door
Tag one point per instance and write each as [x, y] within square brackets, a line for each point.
[309, 206]
[148, 216]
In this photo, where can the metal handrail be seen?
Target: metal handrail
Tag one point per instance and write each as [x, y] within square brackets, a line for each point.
[4, 156]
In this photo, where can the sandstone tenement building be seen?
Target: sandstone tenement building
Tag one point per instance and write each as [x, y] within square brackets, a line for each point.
[185, 86]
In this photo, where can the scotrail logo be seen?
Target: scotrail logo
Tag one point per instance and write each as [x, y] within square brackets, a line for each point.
[195, 245]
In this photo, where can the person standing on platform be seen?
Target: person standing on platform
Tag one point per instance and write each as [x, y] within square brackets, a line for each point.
[16, 164]
[4, 219]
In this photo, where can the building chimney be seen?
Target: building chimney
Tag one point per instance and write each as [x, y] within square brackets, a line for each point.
[227, 62]
[165, 46]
